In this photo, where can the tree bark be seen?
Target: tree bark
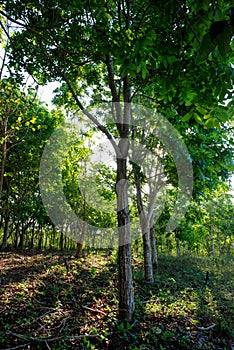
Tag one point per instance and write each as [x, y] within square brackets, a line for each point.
[178, 247]
[153, 246]
[2, 167]
[3, 152]
[145, 229]
[79, 245]
[33, 235]
[40, 241]
[147, 258]
[61, 241]
[6, 212]
[5, 232]
[126, 297]
[21, 241]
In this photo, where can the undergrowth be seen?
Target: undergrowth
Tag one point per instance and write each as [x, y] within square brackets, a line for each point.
[48, 302]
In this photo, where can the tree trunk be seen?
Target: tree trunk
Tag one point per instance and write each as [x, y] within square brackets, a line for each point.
[33, 235]
[21, 241]
[16, 235]
[126, 297]
[40, 241]
[145, 229]
[212, 232]
[178, 247]
[3, 161]
[212, 242]
[153, 246]
[147, 258]
[6, 222]
[22, 234]
[5, 232]
[79, 245]
[61, 241]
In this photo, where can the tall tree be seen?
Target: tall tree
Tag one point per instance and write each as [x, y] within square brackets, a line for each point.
[120, 49]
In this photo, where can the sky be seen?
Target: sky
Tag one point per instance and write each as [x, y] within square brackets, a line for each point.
[45, 93]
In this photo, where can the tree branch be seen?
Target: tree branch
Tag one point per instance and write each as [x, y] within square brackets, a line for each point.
[13, 20]
[188, 21]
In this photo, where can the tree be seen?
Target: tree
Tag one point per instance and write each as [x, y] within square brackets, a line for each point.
[120, 50]
[25, 126]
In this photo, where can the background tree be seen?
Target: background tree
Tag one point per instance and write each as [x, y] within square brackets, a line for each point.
[25, 126]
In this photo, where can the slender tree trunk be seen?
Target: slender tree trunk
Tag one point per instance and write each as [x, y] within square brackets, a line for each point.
[5, 232]
[147, 258]
[178, 250]
[6, 221]
[1, 220]
[33, 235]
[40, 241]
[212, 232]
[125, 285]
[22, 236]
[126, 297]
[3, 161]
[153, 246]
[145, 229]
[212, 242]
[16, 235]
[61, 241]
[2, 170]
[79, 245]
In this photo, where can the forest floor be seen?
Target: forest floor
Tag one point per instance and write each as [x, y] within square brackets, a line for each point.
[47, 302]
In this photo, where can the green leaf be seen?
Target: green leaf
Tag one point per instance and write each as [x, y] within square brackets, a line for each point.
[197, 118]
[187, 116]
[211, 123]
[201, 110]
[144, 72]
[206, 46]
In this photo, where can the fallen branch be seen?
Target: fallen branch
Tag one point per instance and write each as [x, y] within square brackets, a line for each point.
[18, 347]
[94, 310]
[41, 339]
[206, 328]
[203, 328]
[47, 345]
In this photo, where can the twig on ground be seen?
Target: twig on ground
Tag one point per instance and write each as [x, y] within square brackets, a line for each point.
[40, 340]
[18, 347]
[203, 328]
[94, 310]
[47, 345]
[150, 301]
